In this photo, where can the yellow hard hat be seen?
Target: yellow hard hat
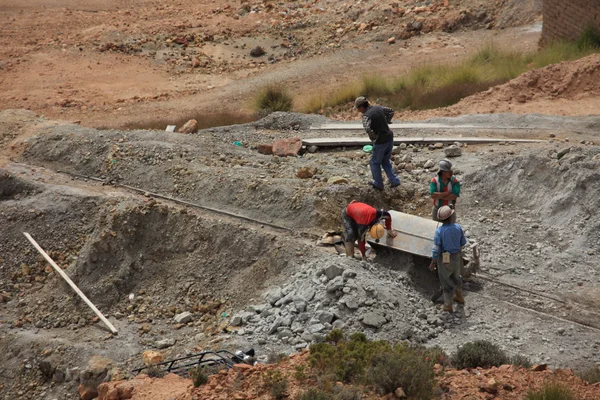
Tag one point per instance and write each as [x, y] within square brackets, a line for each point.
[377, 231]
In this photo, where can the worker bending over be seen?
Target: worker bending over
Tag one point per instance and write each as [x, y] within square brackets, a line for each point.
[446, 253]
[358, 218]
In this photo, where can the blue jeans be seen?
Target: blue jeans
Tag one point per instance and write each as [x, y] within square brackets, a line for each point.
[381, 158]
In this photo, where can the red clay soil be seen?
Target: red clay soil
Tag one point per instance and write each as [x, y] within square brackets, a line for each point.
[244, 382]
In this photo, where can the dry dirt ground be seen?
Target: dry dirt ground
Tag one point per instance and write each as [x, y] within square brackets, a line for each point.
[145, 260]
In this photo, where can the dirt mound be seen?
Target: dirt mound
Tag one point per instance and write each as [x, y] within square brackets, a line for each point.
[569, 175]
[568, 80]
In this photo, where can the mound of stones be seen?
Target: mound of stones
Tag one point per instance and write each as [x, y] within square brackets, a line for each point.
[339, 292]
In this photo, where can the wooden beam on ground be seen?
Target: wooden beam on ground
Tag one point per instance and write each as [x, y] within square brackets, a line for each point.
[427, 125]
[70, 282]
[361, 141]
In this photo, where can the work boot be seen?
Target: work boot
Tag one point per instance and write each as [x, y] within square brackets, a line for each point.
[447, 308]
[458, 297]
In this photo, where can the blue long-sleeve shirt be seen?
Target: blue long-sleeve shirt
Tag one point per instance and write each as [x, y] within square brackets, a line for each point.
[448, 237]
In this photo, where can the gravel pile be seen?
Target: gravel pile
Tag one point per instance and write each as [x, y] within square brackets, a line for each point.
[338, 292]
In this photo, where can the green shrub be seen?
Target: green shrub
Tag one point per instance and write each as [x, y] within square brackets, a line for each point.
[591, 375]
[550, 391]
[154, 371]
[347, 359]
[520, 361]
[589, 39]
[315, 394]
[347, 393]
[273, 97]
[408, 367]
[479, 353]
[276, 383]
[334, 336]
[276, 358]
[299, 374]
[358, 337]
[199, 376]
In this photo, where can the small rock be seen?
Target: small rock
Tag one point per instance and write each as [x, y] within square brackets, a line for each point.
[183, 318]
[539, 367]
[333, 271]
[337, 180]
[164, 343]
[453, 151]
[428, 164]
[189, 127]
[151, 357]
[265, 149]
[562, 153]
[399, 393]
[257, 52]
[391, 40]
[306, 172]
[491, 386]
[374, 320]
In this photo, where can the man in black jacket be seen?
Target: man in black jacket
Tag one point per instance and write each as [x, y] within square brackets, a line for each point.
[375, 121]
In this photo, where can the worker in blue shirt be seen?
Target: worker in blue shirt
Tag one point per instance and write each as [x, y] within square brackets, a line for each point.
[446, 256]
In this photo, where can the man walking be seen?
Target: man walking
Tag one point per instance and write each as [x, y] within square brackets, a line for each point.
[375, 121]
[444, 189]
[357, 219]
[446, 256]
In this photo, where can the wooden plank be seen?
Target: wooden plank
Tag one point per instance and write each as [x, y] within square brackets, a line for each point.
[361, 141]
[424, 125]
[70, 282]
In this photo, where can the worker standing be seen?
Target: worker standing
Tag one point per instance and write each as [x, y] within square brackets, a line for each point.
[358, 218]
[447, 257]
[444, 189]
[376, 120]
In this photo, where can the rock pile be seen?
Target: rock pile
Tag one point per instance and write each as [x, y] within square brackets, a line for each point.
[338, 292]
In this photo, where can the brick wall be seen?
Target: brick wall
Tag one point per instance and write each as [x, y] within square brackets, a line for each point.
[565, 19]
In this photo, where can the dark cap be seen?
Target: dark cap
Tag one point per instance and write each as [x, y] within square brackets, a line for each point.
[360, 101]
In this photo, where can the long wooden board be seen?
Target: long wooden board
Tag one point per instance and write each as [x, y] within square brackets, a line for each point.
[361, 141]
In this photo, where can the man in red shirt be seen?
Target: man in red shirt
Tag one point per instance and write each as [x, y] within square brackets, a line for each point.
[358, 218]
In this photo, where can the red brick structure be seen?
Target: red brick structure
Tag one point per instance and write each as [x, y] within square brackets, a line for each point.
[566, 19]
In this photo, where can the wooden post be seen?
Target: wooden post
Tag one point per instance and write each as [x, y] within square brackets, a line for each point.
[70, 282]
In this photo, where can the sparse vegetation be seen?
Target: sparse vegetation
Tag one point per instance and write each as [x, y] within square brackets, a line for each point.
[205, 120]
[276, 383]
[154, 371]
[431, 86]
[276, 358]
[273, 97]
[347, 393]
[479, 353]
[589, 38]
[520, 361]
[550, 391]
[299, 374]
[334, 336]
[590, 375]
[315, 394]
[405, 366]
[358, 360]
[199, 376]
